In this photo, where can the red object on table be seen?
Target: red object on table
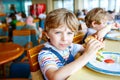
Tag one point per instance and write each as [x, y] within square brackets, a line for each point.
[109, 61]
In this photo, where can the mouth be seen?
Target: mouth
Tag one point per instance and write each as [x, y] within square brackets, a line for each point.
[63, 45]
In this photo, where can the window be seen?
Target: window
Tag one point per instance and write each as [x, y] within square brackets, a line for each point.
[117, 6]
[93, 3]
[68, 4]
[27, 6]
[106, 4]
[90, 4]
[57, 4]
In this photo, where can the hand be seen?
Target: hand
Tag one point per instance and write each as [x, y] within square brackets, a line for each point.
[117, 25]
[93, 46]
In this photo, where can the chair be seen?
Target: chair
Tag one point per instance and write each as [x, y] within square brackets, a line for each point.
[34, 38]
[37, 22]
[19, 70]
[20, 25]
[23, 38]
[33, 61]
[78, 38]
[4, 32]
[43, 38]
[82, 19]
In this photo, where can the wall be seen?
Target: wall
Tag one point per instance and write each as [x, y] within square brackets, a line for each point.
[49, 4]
[19, 5]
[38, 1]
[78, 5]
[1, 6]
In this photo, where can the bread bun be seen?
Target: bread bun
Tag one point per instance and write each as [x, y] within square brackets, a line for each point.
[89, 38]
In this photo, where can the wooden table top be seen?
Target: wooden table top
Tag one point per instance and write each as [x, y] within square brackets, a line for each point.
[9, 52]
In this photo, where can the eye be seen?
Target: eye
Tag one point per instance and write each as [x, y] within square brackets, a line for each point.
[70, 33]
[58, 32]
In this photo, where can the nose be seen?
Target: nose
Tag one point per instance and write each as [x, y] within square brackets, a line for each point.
[64, 37]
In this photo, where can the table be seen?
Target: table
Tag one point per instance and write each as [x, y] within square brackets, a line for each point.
[9, 51]
[112, 46]
[88, 74]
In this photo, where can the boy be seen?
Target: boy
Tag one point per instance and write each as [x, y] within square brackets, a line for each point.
[97, 21]
[56, 59]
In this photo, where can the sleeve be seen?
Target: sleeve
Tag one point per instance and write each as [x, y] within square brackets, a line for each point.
[76, 48]
[46, 61]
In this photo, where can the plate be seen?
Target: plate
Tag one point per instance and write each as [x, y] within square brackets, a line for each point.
[106, 68]
[113, 35]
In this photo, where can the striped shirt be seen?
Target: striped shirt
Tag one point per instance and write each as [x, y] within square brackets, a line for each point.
[48, 60]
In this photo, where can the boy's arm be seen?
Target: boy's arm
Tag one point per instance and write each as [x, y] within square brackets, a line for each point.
[100, 34]
[62, 73]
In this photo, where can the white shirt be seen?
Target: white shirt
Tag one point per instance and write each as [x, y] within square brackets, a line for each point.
[42, 16]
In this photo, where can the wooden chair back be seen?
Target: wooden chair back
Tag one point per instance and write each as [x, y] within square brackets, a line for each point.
[23, 38]
[44, 38]
[81, 19]
[33, 61]
[21, 32]
[20, 25]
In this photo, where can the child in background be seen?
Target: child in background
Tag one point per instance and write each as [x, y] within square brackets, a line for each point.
[113, 19]
[97, 21]
[42, 17]
[32, 26]
[56, 59]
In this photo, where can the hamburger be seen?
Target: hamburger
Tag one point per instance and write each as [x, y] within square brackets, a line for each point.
[89, 38]
[99, 56]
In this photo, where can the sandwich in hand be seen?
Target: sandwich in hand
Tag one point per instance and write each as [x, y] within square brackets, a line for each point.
[99, 56]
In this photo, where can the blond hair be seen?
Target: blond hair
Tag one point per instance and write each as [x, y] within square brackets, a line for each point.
[97, 15]
[59, 17]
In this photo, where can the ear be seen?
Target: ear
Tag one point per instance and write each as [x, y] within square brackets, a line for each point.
[93, 24]
[46, 34]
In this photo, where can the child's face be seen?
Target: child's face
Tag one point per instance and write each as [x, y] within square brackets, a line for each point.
[61, 37]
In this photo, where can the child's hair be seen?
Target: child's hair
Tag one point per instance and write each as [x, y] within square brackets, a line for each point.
[59, 17]
[97, 15]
